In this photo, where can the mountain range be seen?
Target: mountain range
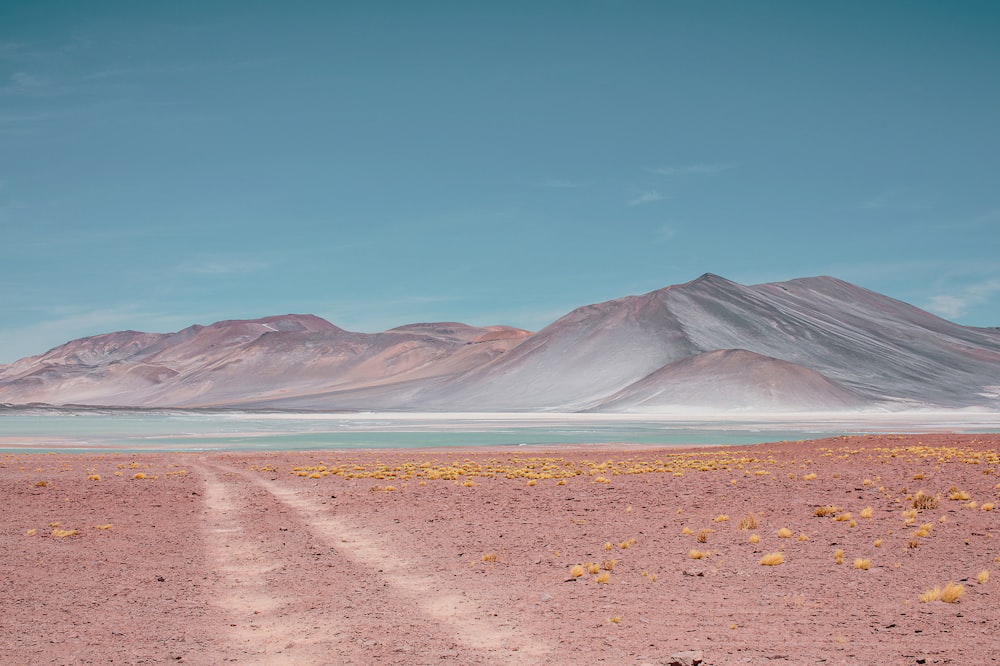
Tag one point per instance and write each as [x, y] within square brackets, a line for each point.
[809, 344]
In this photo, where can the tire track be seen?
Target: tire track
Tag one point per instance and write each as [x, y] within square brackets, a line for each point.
[457, 615]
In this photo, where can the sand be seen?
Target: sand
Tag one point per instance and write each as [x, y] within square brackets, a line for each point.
[466, 557]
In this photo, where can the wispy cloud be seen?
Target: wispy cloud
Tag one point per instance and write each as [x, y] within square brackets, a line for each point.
[693, 169]
[222, 266]
[557, 183]
[666, 232]
[896, 198]
[649, 196]
[959, 301]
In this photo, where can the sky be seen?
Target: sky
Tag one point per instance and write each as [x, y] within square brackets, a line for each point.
[381, 163]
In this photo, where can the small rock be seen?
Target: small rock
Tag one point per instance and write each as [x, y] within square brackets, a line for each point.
[686, 658]
[545, 596]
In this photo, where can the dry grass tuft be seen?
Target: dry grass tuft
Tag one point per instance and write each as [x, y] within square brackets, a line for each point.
[490, 557]
[803, 537]
[754, 538]
[958, 495]
[809, 477]
[697, 554]
[93, 477]
[721, 519]
[609, 565]
[824, 511]
[878, 543]
[983, 577]
[785, 533]
[862, 564]
[952, 592]
[838, 556]
[933, 594]
[924, 501]
[772, 559]
[867, 512]
[748, 522]
[576, 571]
[703, 536]
[593, 568]
[603, 578]
[59, 533]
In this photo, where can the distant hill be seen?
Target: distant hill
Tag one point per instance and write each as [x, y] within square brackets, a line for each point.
[808, 344]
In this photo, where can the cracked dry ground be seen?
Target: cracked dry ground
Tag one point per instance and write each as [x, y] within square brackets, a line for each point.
[388, 556]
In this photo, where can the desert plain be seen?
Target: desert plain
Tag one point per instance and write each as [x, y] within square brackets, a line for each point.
[888, 548]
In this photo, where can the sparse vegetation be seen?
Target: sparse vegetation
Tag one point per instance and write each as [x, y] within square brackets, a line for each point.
[922, 501]
[772, 559]
[748, 522]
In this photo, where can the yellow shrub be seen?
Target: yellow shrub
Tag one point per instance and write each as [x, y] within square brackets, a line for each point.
[772, 559]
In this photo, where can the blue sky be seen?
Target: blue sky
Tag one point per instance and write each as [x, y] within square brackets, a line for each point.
[384, 163]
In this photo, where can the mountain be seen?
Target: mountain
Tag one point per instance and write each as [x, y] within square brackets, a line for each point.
[806, 344]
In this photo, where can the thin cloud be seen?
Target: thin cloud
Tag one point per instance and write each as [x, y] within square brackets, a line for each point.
[666, 233]
[562, 184]
[221, 267]
[694, 169]
[958, 303]
[646, 197]
[898, 198]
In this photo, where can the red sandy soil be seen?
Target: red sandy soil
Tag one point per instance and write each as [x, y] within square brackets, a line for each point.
[240, 558]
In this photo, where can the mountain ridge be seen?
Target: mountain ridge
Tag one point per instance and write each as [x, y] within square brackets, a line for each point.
[807, 343]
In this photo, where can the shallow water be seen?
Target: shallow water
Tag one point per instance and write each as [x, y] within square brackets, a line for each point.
[96, 430]
[101, 430]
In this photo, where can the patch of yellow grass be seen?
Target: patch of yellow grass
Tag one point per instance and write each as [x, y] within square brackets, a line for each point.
[924, 501]
[31, 532]
[959, 495]
[696, 554]
[609, 565]
[721, 519]
[490, 557]
[754, 538]
[982, 577]
[615, 619]
[139, 475]
[532, 482]
[987, 506]
[785, 533]
[867, 512]
[603, 578]
[809, 477]
[103, 527]
[863, 564]
[703, 536]
[576, 571]
[824, 511]
[608, 545]
[952, 592]
[594, 568]
[93, 477]
[843, 517]
[838, 556]
[41, 484]
[60, 533]
[748, 522]
[772, 559]
[933, 594]
[687, 531]
[878, 543]
[601, 479]
[803, 537]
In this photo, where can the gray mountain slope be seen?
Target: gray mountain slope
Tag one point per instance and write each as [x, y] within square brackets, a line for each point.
[817, 343]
